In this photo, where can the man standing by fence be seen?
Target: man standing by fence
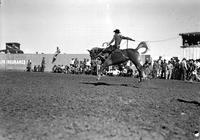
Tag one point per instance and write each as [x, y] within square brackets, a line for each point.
[43, 64]
[28, 68]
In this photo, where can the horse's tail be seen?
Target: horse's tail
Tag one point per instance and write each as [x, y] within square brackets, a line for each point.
[142, 45]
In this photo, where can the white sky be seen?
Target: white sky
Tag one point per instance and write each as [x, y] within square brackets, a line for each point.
[78, 25]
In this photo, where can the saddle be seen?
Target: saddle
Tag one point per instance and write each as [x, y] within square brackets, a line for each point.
[114, 52]
[119, 53]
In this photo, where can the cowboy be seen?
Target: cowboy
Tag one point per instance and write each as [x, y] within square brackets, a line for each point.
[117, 38]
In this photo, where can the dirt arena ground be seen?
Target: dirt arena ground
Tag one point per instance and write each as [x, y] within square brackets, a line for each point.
[47, 106]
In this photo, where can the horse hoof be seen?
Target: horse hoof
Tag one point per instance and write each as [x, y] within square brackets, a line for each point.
[141, 80]
[98, 78]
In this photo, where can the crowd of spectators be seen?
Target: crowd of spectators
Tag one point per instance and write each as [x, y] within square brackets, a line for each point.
[86, 67]
[75, 67]
[36, 68]
[186, 70]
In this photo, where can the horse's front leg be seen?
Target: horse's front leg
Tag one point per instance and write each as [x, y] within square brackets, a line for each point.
[99, 71]
[107, 63]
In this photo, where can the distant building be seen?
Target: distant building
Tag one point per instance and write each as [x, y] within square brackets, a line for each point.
[12, 48]
[191, 45]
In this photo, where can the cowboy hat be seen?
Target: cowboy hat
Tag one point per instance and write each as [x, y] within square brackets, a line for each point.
[116, 31]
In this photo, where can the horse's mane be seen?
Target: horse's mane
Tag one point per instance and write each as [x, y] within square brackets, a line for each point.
[96, 49]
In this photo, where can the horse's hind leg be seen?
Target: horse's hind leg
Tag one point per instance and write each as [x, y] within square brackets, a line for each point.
[99, 72]
[134, 57]
[141, 72]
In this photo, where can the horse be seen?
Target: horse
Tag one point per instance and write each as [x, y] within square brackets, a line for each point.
[120, 56]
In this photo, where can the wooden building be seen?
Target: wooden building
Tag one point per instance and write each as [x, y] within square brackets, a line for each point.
[191, 45]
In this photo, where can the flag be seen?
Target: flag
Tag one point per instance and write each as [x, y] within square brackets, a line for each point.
[56, 54]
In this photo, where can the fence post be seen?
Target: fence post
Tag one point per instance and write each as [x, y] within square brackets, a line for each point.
[5, 62]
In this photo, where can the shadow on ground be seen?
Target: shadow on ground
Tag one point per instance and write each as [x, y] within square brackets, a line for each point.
[190, 102]
[107, 84]
[118, 84]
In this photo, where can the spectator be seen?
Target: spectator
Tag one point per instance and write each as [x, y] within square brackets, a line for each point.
[43, 64]
[176, 71]
[72, 62]
[163, 69]
[38, 68]
[88, 63]
[183, 69]
[129, 72]
[115, 72]
[54, 68]
[191, 67]
[155, 69]
[148, 68]
[169, 70]
[76, 63]
[35, 68]
[159, 66]
[28, 68]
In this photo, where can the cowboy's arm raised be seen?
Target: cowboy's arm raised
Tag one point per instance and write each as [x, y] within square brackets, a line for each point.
[128, 38]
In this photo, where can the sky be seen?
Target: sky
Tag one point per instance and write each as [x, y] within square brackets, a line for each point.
[78, 25]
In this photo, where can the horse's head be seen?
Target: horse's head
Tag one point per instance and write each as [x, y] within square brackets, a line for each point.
[94, 52]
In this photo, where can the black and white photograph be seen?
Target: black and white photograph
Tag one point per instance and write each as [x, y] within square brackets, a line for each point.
[99, 70]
